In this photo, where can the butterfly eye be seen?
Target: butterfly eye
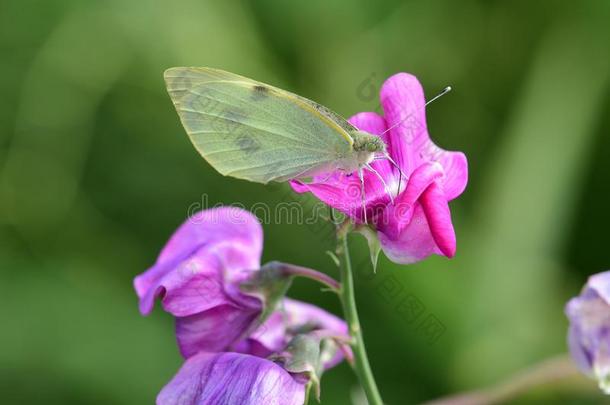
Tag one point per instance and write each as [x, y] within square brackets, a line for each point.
[375, 145]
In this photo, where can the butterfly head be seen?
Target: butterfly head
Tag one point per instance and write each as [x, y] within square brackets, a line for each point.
[365, 142]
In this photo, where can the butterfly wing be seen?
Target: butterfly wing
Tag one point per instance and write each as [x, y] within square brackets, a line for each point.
[254, 131]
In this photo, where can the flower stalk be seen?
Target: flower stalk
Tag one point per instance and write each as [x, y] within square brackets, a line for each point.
[348, 301]
[300, 271]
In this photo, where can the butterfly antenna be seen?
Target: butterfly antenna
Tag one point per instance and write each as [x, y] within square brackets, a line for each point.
[442, 93]
[361, 177]
[385, 186]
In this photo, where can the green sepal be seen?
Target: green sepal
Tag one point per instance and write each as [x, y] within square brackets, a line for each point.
[373, 242]
[270, 285]
[302, 356]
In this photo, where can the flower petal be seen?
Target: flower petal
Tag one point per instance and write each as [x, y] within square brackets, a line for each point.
[293, 317]
[214, 225]
[600, 283]
[414, 243]
[197, 251]
[270, 337]
[214, 330]
[302, 315]
[208, 278]
[438, 215]
[581, 356]
[455, 172]
[589, 331]
[231, 378]
[402, 98]
[398, 215]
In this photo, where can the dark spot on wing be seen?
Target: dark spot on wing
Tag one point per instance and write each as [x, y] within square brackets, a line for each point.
[229, 120]
[247, 143]
[260, 92]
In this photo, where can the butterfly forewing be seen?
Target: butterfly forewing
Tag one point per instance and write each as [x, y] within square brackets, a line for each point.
[254, 131]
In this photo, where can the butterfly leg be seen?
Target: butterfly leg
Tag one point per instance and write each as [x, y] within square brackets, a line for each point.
[401, 174]
[362, 195]
[385, 186]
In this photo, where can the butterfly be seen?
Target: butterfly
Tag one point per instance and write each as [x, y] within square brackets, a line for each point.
[254, 131]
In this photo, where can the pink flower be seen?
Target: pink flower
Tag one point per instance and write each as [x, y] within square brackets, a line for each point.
[198, 275]
[417, 223]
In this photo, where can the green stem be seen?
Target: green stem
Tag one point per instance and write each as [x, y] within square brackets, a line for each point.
[361, 361]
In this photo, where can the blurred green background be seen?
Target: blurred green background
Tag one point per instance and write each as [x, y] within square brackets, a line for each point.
[96, 173]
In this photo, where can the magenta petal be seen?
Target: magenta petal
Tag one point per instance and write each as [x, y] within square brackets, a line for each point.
[231, 378]
[213, 330]
[396, 216]
[414, 243]
[402, 98]
[343, 193]
[455, 171]
[210, 250]
[339, 191]
[438, 215]
[410, 145]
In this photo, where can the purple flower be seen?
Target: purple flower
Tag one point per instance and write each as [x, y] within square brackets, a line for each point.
[589, 332]
[232, 378]
[247, 376]
[418, 222]
[198, 274]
